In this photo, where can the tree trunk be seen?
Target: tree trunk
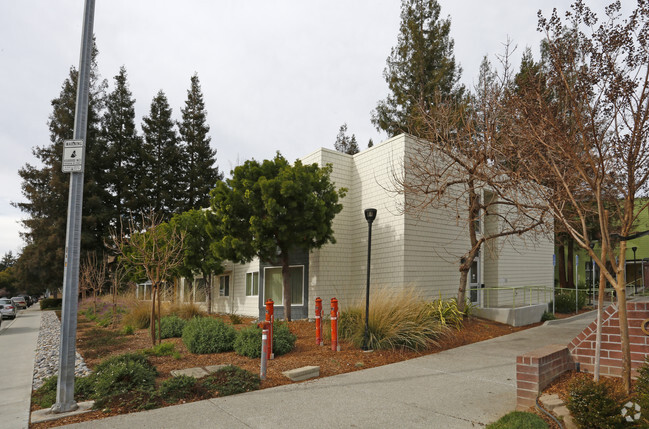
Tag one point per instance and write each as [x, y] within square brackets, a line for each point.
[461, 291]
[600, 313]
[208, 286]
[152, 318]
[158, 315]
[570, 265]
[561, 265]
[624, 334]
[286, 278]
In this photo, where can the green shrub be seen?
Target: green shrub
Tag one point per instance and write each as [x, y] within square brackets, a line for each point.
[595, 405]
[207, 335]
[519, 420]
[182, 387]
[45, 396]
[171, 327]
[547, 316]
[231, 380]
[642, 391]
[248, 342]
[51, 303]
[128, 330]
[565, 301]
[162, 349]
[283, 339]
[122, 375]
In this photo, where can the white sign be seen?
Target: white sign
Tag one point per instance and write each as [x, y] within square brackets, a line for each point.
[73, 156]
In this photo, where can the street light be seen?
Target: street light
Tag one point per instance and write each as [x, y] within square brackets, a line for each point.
[635, 272]
[370, 215]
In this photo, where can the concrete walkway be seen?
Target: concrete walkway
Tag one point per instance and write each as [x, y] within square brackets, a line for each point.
[18, 339]
[466, 387]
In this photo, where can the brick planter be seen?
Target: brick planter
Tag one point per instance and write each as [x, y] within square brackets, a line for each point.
[536, 369]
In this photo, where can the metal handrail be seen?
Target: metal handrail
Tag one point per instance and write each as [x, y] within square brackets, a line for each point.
[527, 293]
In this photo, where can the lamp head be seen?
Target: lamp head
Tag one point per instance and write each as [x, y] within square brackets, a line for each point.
[634, 248]
[370, 215]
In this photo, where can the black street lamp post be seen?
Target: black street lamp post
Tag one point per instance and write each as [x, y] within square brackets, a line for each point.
[370, 215]
[635, 272]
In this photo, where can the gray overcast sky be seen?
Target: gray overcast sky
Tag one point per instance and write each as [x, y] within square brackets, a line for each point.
[276, 75]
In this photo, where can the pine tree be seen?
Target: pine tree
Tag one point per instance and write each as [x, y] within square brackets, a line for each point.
[162, 155]
[421, 67]
[125, 156]
[46, 189]
[200, 172]
[344, 143]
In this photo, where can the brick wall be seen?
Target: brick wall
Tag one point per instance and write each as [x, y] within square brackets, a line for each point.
[582, 347]
[536, 369]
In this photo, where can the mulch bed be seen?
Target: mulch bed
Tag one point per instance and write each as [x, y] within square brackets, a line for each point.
[306, 353]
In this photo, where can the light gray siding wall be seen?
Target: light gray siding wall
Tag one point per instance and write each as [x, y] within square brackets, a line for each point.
[237, 301]
[436, 238]
[330, 267]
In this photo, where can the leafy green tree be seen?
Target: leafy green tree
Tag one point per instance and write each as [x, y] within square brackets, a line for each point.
[162, 155]
[125, 155]
[421, 65]
[198, 256]
[344, 143]
[7, 261]
[45, 189]
[200, 173]
[268, 209]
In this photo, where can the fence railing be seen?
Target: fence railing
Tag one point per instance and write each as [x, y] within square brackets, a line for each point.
[520, 295]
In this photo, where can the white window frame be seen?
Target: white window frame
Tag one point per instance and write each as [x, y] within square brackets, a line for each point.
[282, 300]
[224, 291]
[252, 284]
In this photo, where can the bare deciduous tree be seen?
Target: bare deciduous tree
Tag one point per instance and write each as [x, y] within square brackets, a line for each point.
[581, 125]
[156, 252]
[455, 166]
[93, 276]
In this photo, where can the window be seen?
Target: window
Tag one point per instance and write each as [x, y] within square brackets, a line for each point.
[252, 284]
[274, 284]
[224, 286]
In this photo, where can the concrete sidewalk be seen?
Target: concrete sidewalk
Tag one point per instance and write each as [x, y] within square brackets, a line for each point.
[466, 387]
[18, 339]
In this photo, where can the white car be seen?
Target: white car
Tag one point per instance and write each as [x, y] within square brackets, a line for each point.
[8, 310]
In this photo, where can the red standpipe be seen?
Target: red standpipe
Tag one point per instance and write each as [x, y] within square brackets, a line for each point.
[334, 325]
[270, 318]
[318, 322]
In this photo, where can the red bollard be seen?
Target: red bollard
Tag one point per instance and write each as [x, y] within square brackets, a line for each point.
[270, 318]
[334, 325]
[318, 321]
[264, 345]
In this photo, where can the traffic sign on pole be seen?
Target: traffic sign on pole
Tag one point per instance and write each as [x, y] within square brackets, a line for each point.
[73, 156]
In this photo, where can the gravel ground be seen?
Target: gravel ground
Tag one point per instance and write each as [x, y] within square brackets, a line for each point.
[46, 362]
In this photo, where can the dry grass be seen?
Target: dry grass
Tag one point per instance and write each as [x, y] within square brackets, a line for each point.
[397, 320]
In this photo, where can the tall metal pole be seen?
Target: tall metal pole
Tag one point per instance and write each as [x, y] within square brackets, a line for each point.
[370, 215]
[65, 387]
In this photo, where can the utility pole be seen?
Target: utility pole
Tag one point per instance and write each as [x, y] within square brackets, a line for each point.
[65, 386]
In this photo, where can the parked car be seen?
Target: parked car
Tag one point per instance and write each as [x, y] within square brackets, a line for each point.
[20, 302]
[28, 300]
[8, 309]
